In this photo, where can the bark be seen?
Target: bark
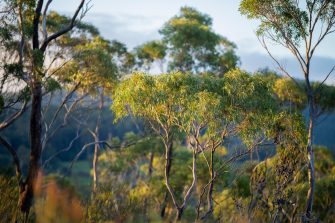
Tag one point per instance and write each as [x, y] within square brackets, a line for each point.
[310, 155]
[151, 162]
[95, 165]
[189, 191]
[180, 212]
[179, 208]
[97, 146]
[27, 188]
[210, 189]
[167, 174]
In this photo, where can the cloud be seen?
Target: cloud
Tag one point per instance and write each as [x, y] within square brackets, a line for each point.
[134, 30]
[129, 29]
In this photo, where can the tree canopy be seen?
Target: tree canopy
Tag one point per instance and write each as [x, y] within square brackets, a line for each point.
[193, 46]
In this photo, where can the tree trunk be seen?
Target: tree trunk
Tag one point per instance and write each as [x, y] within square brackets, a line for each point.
[310, 155]
[180, 212]
[27, 188]
[211, 186]
[164, 204]
[167, 173]
[97, 146]
[151, 161]
[95, 167]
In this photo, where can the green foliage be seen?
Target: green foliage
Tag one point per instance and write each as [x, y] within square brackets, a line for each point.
[91, 66]
[124, 59]
[150, 52]
[325, 97]
[272, 180]
[229, 208]
[289, 94]
[325, 199]
[117, 203]
[194, 46]
[183, 103]
[137, 195]
[325, 162]
[9, 197]
[52, 85]
[283, 19]
[80, 33]
[180, 100]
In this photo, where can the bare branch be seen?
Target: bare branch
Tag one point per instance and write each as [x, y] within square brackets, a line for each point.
[36, 21]
[66, 29]
[13, 117]
[78, 133]
[21, 46]
[65, 119]
[104, 142]
[44, 22]
[194, 175]
[328, 75]
[15, 157]
[278, 64]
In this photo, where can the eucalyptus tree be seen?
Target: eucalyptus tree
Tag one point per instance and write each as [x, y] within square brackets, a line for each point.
[161, 101]
[25, 34]
[150, 52]
[193, 46]
[288, 134]
[124, 59]
[244, 108]
[93, 67]
[300, 27]
[183, 104]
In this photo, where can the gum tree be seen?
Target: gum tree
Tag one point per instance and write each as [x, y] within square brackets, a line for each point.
[204, 109]
[162, 102]
[193, 46]
[150, 52]
[300, 27]
[246, 109]
[25, 32]
[92, 66]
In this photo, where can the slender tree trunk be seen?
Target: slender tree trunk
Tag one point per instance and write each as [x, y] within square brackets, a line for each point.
[188, 194]
[151, 162]
[164, 204]
[310, 155]
[27, 188]
[180, 212]
[211, 186]
[97, 146]
[167, 174]
[95, 167]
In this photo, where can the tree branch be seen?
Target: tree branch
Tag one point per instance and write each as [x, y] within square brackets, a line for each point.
[66, 29]
[44, 22]
[15, 116]
[15, 157]
[278, 64]
[322, 83]
[36, 21]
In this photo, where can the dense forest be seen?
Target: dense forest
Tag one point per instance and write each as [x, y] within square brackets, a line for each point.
[172, 130]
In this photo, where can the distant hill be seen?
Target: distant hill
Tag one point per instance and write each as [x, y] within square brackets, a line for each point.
[325, 131]
[17, 134]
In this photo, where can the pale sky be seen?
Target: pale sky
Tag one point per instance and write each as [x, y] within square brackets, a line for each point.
[136, 21]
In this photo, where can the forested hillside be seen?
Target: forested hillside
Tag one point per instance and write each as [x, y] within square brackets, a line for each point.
[18, 132]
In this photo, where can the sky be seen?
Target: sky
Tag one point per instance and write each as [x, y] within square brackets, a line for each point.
[134, 22]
